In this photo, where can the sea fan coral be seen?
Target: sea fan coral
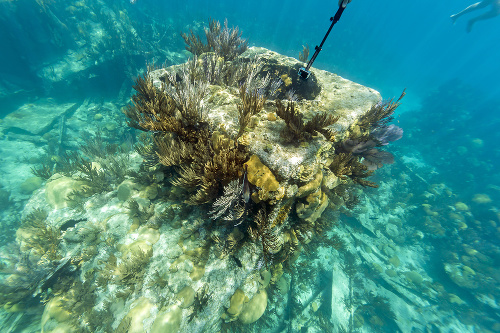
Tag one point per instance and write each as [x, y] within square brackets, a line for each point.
[365, 146]
[374, 158]
[372, 131]
[385, 134]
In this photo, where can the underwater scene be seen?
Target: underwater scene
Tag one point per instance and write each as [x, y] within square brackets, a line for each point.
[236, 166]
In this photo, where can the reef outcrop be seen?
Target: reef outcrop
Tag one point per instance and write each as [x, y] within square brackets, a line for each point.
[238, 163]
[325, 92]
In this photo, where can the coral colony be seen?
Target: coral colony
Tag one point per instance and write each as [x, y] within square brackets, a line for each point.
[237, 161]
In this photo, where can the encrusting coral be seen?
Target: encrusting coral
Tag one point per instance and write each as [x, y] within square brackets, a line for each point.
[262, 177]
[315, 205]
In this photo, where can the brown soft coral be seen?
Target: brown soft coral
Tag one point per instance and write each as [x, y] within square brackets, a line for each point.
[348, 166]
[296, 131]
[151, 108]
[175, 114]
[203, 166]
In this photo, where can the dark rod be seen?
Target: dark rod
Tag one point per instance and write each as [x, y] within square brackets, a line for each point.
[334, 20]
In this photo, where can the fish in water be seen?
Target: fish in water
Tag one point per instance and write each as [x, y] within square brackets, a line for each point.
[246, 186]
[237, 261]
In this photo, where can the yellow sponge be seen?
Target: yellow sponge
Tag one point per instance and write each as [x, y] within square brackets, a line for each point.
[259, 175]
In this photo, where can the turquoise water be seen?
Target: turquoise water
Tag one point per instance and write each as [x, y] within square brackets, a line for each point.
[418, 254]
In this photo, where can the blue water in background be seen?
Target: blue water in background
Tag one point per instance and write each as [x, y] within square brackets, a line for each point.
[451, 77]
[386, 46]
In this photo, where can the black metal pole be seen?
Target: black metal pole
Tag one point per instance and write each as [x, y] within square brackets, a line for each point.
[304, 72]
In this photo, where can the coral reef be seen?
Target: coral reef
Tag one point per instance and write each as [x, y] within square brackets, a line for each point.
[218, 200]
[293, 228]
[209, 154]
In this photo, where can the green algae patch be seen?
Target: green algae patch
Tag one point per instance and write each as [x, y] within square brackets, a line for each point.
[391, 273]
[395, 261]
